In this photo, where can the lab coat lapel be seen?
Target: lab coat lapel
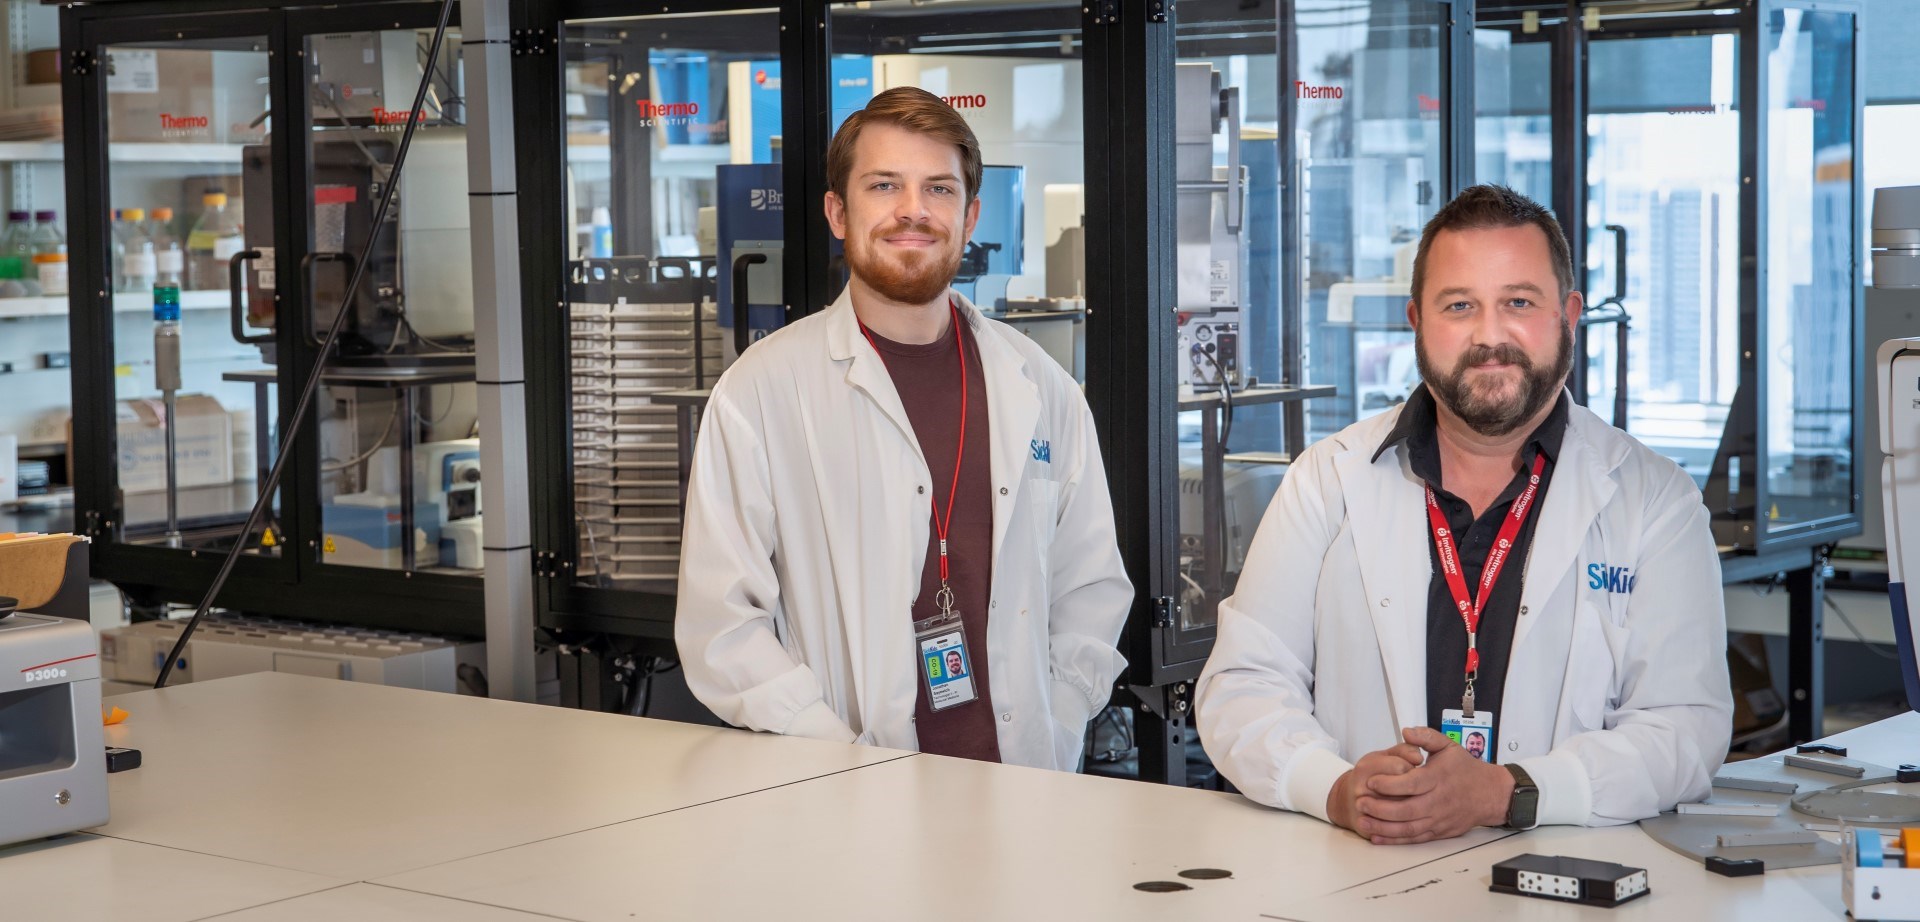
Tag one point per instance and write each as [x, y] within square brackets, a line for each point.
[884, 690]
[1581, 486]
[866, 371]
[1385, 510]
[1013, 409]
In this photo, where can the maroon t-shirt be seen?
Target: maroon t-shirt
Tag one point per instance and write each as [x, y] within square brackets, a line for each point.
[928, 379]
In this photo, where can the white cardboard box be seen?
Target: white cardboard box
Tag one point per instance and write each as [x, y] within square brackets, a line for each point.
[203, 452]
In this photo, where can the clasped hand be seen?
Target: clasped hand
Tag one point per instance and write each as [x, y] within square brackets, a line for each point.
[1423, 789]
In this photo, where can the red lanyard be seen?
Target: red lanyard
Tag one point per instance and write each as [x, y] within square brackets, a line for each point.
[1471, 607]
[943, 521]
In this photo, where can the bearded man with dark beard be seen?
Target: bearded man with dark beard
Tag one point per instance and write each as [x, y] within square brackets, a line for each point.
[898, 530]
[1487, 563]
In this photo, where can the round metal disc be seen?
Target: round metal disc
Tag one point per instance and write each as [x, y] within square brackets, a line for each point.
[1206, 874]
[1859, 806]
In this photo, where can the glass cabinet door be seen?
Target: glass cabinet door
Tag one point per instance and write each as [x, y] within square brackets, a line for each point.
[1513, 78]
[398, 446]
[1680, 221]
[673, 230]
[1814, 350]
[1308, 157]
[187, 122]
[1367, 94]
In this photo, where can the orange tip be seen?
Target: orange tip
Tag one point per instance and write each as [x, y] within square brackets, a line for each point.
[113, 716]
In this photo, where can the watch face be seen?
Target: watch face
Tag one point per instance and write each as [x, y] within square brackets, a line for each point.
[1524, 805]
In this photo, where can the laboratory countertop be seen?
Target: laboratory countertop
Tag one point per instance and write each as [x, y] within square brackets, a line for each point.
[58, 518]
[278, 797]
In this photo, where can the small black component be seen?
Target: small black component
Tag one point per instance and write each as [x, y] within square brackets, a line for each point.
[1906, 773]
[122, 760]
[1206, 874]
[461, 504]
[1736, 867]
[1161, 886]
[1826, 748]
[1570, 880]
[56, 359]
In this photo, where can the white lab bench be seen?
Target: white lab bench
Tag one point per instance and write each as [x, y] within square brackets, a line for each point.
[279, 797]
[1680, 888]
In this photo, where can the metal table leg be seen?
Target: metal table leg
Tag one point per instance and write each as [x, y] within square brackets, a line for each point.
[262, 444]
[1806, 651]
[406, 479]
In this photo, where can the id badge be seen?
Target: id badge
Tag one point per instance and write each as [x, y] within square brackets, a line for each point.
[1474, 733]
[945, 661]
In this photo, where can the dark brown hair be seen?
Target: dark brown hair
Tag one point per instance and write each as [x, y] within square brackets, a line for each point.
[915, 110]
[1486, 207]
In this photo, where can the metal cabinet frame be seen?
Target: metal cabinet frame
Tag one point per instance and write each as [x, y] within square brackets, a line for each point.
[295, 583]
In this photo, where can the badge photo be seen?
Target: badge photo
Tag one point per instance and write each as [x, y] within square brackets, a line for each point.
[949, 671]
[1474, 734]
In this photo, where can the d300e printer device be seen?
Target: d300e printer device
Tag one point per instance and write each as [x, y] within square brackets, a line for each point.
[53, 779]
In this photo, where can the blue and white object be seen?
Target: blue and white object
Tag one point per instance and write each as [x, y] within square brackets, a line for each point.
[1873, 883]
[1896, 243]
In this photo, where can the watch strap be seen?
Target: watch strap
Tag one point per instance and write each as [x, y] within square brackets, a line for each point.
[1524, 806]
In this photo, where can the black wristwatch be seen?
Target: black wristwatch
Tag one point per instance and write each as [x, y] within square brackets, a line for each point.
[1524, 806]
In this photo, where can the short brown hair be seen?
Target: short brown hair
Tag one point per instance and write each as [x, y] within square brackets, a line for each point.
[1486, 207]
[915, 110]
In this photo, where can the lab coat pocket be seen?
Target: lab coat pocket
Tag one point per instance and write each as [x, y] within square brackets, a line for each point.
[1590, 665]
[1041, 497]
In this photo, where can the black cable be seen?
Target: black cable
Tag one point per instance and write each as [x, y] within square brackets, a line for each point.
[291, 427]
[1873, 648]
[1226, 400]
[407, 323]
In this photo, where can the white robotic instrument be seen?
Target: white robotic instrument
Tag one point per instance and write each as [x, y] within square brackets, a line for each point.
[1877, 882]
[1896, 265]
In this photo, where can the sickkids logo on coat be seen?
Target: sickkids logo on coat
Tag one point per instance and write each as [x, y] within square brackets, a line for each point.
[1611, 579]
[1043, 451]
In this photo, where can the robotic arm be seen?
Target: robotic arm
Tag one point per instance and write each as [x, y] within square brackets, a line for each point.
[1896, 264]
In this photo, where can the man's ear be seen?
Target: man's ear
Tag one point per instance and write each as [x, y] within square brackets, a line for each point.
[1576, 304]
[836, 209]
[1413, 313]
[973, 216]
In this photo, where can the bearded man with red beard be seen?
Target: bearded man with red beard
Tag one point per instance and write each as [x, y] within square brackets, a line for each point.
[898, 530]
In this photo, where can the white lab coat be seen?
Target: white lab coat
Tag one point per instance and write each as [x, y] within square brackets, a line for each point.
[806, 530]
[1616, 699]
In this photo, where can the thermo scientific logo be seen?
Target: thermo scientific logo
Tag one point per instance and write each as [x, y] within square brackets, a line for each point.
[976, 101]
[653, 112]
[180, 126]
[394, 119]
